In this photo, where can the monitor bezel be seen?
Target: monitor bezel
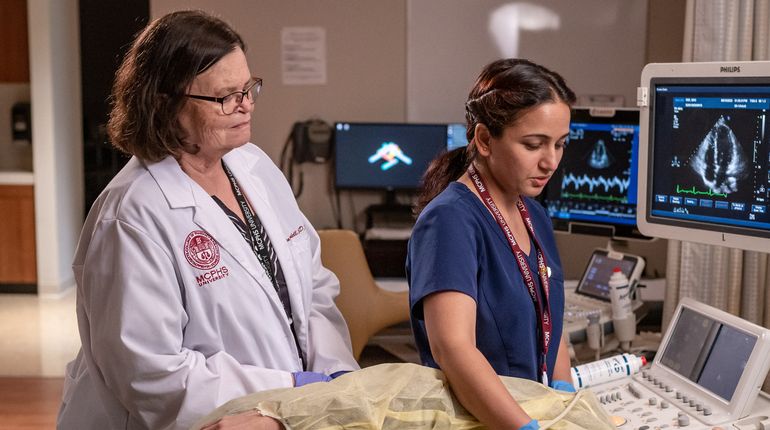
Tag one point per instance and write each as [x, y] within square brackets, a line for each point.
[609, 229]
[337, 186]
[740, 72]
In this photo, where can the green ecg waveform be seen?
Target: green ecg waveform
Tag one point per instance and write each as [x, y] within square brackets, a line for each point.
[595, 197]
[699, 193]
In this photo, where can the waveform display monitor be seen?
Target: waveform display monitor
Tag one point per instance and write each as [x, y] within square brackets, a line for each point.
[594, 189]
[708, 163]
[385, 156]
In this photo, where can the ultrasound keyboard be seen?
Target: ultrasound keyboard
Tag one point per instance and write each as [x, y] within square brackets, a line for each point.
[705, 376]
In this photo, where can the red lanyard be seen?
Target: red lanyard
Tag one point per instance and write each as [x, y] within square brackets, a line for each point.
[541, 307]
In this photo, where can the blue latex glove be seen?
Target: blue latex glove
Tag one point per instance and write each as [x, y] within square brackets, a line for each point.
[304, 378]
[560, 385]
[532, 425]
[336, 375]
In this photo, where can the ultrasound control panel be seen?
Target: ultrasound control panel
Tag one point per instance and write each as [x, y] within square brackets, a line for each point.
[706, 375]
[645, 402]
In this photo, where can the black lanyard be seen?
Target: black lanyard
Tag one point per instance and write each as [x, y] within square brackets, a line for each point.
[259, 246]
[258, 243]
[542, 307]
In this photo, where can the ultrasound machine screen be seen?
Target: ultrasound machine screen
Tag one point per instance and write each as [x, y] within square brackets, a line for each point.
[594, 188]
[709, 353]
[596, 277]
[704, 159]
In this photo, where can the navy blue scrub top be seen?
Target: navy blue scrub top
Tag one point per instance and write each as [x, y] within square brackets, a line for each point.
[456, 245]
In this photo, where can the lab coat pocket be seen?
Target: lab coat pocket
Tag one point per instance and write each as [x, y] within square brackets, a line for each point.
[80, 395]
[75, 370]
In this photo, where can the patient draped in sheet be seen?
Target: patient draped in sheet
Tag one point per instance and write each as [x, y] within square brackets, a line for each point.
[406, 396]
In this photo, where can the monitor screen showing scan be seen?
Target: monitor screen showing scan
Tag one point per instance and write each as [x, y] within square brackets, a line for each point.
[596, 179]
[385, 156]
[596, 277]
[708, 352]
[705, 162]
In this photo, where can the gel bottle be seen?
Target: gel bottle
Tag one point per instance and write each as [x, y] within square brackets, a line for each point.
[608, 369]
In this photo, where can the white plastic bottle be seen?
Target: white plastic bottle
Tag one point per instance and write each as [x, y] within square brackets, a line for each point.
[620, 295]
[608, 369]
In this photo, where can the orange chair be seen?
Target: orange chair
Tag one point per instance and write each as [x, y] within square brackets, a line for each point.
[366, 307]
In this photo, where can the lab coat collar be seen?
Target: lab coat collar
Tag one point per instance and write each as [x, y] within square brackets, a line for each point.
[167, 173]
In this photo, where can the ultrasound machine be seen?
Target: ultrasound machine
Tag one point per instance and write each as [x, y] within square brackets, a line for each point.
[707, 375]
[703, 177]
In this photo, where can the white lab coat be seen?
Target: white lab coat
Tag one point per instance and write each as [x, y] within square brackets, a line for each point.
[164, 342]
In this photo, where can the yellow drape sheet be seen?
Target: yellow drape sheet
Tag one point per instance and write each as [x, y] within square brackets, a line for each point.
[407, 396]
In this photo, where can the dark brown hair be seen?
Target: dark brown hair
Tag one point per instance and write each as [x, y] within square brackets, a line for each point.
[149, 88]
[504, 91]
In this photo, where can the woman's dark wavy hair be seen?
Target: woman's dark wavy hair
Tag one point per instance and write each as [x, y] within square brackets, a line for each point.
[149, 88]
[504, 91]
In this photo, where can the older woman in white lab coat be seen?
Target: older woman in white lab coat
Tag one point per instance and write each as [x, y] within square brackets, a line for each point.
[198, 278]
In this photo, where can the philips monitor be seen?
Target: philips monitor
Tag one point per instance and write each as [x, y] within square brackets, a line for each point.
[380, 156]
[594, 189]
[703, 165]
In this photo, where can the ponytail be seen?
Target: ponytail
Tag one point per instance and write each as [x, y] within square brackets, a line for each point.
[446, 168]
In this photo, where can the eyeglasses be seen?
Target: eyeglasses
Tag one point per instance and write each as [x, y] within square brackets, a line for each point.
[231, 101]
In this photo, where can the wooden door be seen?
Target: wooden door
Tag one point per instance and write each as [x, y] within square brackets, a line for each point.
[14, 45]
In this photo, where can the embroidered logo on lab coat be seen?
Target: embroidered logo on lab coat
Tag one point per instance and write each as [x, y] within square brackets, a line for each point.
[201, 251]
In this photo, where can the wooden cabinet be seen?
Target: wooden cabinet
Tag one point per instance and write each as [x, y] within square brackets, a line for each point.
[17, 230]
[14, 45]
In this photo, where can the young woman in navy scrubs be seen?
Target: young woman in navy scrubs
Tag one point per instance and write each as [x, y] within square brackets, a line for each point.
[486, 283]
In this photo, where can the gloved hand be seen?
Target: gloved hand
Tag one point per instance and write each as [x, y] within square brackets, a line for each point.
[560, 385]
[304, 378]
[532, 425]
[336, 375]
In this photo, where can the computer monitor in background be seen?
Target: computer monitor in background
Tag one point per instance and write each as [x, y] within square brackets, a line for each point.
[385, 156]
[594, 189]
[456, 136]
[704, 148]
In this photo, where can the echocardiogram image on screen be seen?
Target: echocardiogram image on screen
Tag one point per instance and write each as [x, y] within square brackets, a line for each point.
[710, 154]
[596, 180]
[385, 156]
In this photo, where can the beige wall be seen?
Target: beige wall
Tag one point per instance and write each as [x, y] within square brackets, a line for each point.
[444, 58]
[367, 51]
[366, 71]
[366, 74]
